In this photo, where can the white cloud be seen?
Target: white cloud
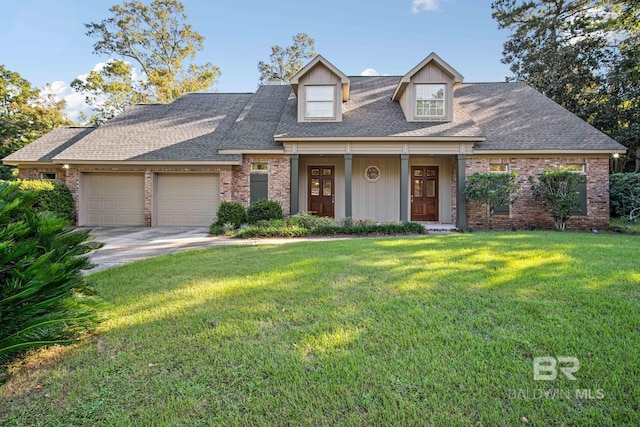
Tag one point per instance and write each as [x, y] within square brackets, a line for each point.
[369, 72]
[418, 6]
[74, 101]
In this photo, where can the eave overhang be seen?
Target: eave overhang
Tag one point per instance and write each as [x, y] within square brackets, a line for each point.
[433, 57]
[319, 59]
[379, 138]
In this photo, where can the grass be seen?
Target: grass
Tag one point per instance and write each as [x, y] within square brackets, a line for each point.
[625, 224]
[427, 330]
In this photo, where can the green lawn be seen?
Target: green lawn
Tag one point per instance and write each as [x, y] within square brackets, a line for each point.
[430, 330]
[624, 225]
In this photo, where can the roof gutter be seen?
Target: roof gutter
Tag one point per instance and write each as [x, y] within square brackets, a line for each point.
[62, 162]
[554, 151]
[379, 138]
[241, 151]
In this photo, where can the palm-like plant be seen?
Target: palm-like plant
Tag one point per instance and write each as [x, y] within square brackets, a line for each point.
[44, 298]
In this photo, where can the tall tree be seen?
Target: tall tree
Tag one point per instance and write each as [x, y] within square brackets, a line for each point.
[111, 89]
[585, 55]
[556, 46]
[24, 115]
[159, 39]
[287, 61]
[618, 114]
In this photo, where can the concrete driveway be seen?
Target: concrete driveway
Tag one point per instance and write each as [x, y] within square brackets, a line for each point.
[123, 245]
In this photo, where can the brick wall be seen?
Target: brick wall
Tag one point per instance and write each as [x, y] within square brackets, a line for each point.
[235, 186]
[528, 211]
[71, 178]
[234, 180]
[237, 183]
[34, 174]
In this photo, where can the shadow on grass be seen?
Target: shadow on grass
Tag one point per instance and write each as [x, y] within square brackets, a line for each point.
[436, 328]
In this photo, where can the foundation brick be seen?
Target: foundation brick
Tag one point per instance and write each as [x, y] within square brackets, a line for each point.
[234, 180]
[528, 211]
[235, 186]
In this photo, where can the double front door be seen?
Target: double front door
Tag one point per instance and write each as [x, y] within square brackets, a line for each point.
[424, 193]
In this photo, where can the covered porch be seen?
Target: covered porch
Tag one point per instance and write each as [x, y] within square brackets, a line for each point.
[420, 184]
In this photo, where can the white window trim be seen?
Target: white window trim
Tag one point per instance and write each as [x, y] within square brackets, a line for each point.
[506, 165]
[444, 100]
[307, 114]
[42, 176]
[257, 170]
[582, 166]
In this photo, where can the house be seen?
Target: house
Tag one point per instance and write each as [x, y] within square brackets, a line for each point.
[383, 147]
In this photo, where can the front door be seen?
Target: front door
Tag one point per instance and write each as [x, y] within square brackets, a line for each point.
[424, 193]
[321, 190]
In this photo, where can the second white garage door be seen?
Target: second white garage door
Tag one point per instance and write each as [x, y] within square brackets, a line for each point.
[186, 199]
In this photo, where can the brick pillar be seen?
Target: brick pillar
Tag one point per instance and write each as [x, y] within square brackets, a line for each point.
[148, 190]
[72, 181]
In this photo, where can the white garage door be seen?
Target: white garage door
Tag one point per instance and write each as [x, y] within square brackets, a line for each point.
[113, 199]
[187, 199]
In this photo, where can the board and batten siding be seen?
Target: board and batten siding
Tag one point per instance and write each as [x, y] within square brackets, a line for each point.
[431, 73]
[378, 200]
[320, 75]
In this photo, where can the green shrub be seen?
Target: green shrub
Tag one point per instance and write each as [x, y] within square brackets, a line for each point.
[368, 229]
[311, 222]
[493, 190]
[557, 189]
[51, 197]
[44, 299]
[228, 229]
[231, 213]
[264, 210]
[276, 228]
[624, 193]
[216, 229]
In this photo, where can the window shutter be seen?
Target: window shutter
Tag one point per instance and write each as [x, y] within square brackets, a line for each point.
[259, 187]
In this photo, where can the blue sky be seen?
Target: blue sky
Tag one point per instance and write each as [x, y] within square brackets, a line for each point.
[44, 40]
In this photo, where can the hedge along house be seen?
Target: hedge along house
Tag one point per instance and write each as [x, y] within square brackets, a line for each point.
[387, 148]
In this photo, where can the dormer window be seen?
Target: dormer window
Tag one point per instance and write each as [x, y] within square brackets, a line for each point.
[425, 93]
[430, 100]
[321, 89]
[320, 101]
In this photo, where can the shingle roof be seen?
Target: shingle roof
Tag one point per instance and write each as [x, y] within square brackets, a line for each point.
[511, 116]
[255, 126]
[49, 145]
[189, 129]
[371, 112]
[514, 116]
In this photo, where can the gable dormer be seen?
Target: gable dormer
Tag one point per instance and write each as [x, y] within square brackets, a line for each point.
[321, 89]
[426, 92]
